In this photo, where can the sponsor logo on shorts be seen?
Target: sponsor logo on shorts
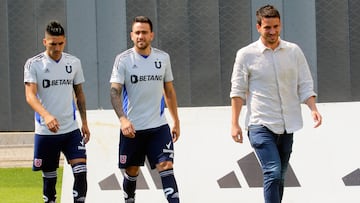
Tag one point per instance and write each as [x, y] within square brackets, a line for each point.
[82, 145]
[168, 145]
[37, 162]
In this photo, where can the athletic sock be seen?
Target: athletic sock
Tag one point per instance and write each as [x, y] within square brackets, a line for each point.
[49, 184]
[170, 186]
[129, 186]
[80, 182]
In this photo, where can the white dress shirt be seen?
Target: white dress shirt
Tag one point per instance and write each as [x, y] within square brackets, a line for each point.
[274, 83]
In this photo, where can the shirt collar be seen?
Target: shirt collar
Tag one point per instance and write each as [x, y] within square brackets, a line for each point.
[262, 47]
[49, 58]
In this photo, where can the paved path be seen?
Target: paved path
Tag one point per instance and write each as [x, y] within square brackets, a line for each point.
[16, 156]
[16, 149]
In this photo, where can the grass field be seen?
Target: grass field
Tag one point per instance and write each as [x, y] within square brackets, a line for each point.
[22, 185]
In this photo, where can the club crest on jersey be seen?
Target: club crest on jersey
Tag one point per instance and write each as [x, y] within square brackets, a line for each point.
[157, 64]
[68, 69]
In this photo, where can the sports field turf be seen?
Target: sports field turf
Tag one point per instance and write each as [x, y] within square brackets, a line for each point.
[22, 185]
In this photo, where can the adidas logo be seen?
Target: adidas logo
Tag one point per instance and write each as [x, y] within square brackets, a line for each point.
[352, 179]
[251, 169]
[112, 183]
[249, 166]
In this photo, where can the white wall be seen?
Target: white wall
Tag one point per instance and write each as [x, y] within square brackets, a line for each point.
[205, 153]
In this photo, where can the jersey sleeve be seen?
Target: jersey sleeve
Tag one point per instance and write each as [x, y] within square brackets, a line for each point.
[79, 76]
[118, 72]
[168, 72]
[29, 72]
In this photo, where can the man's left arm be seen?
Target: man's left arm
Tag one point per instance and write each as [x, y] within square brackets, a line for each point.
[311, 103]
[171, 103]
[81, 105]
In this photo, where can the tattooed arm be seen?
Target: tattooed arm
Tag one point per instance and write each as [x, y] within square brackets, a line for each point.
[127, 127]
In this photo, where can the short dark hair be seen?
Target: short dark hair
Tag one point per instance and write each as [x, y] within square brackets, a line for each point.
[54, 28]
[142, 19]
[267, 11]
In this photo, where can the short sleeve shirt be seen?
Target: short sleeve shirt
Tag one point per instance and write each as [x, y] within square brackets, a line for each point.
[143, 81]
[55, 81]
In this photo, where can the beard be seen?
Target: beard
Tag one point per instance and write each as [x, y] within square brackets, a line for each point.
[142, 45]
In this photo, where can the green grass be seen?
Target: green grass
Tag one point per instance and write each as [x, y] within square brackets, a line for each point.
[22, 185]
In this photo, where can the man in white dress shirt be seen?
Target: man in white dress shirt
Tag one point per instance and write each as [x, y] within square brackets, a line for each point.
[273, 77]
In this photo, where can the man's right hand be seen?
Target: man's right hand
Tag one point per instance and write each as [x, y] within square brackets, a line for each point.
[236, 134]
[52, 123]
[127, 128]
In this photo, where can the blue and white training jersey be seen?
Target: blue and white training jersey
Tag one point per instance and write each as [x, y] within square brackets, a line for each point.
[143, 85]
[55, 81]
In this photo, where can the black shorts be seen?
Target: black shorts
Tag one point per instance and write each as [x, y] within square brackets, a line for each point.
[156, 144]
[47, 149]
